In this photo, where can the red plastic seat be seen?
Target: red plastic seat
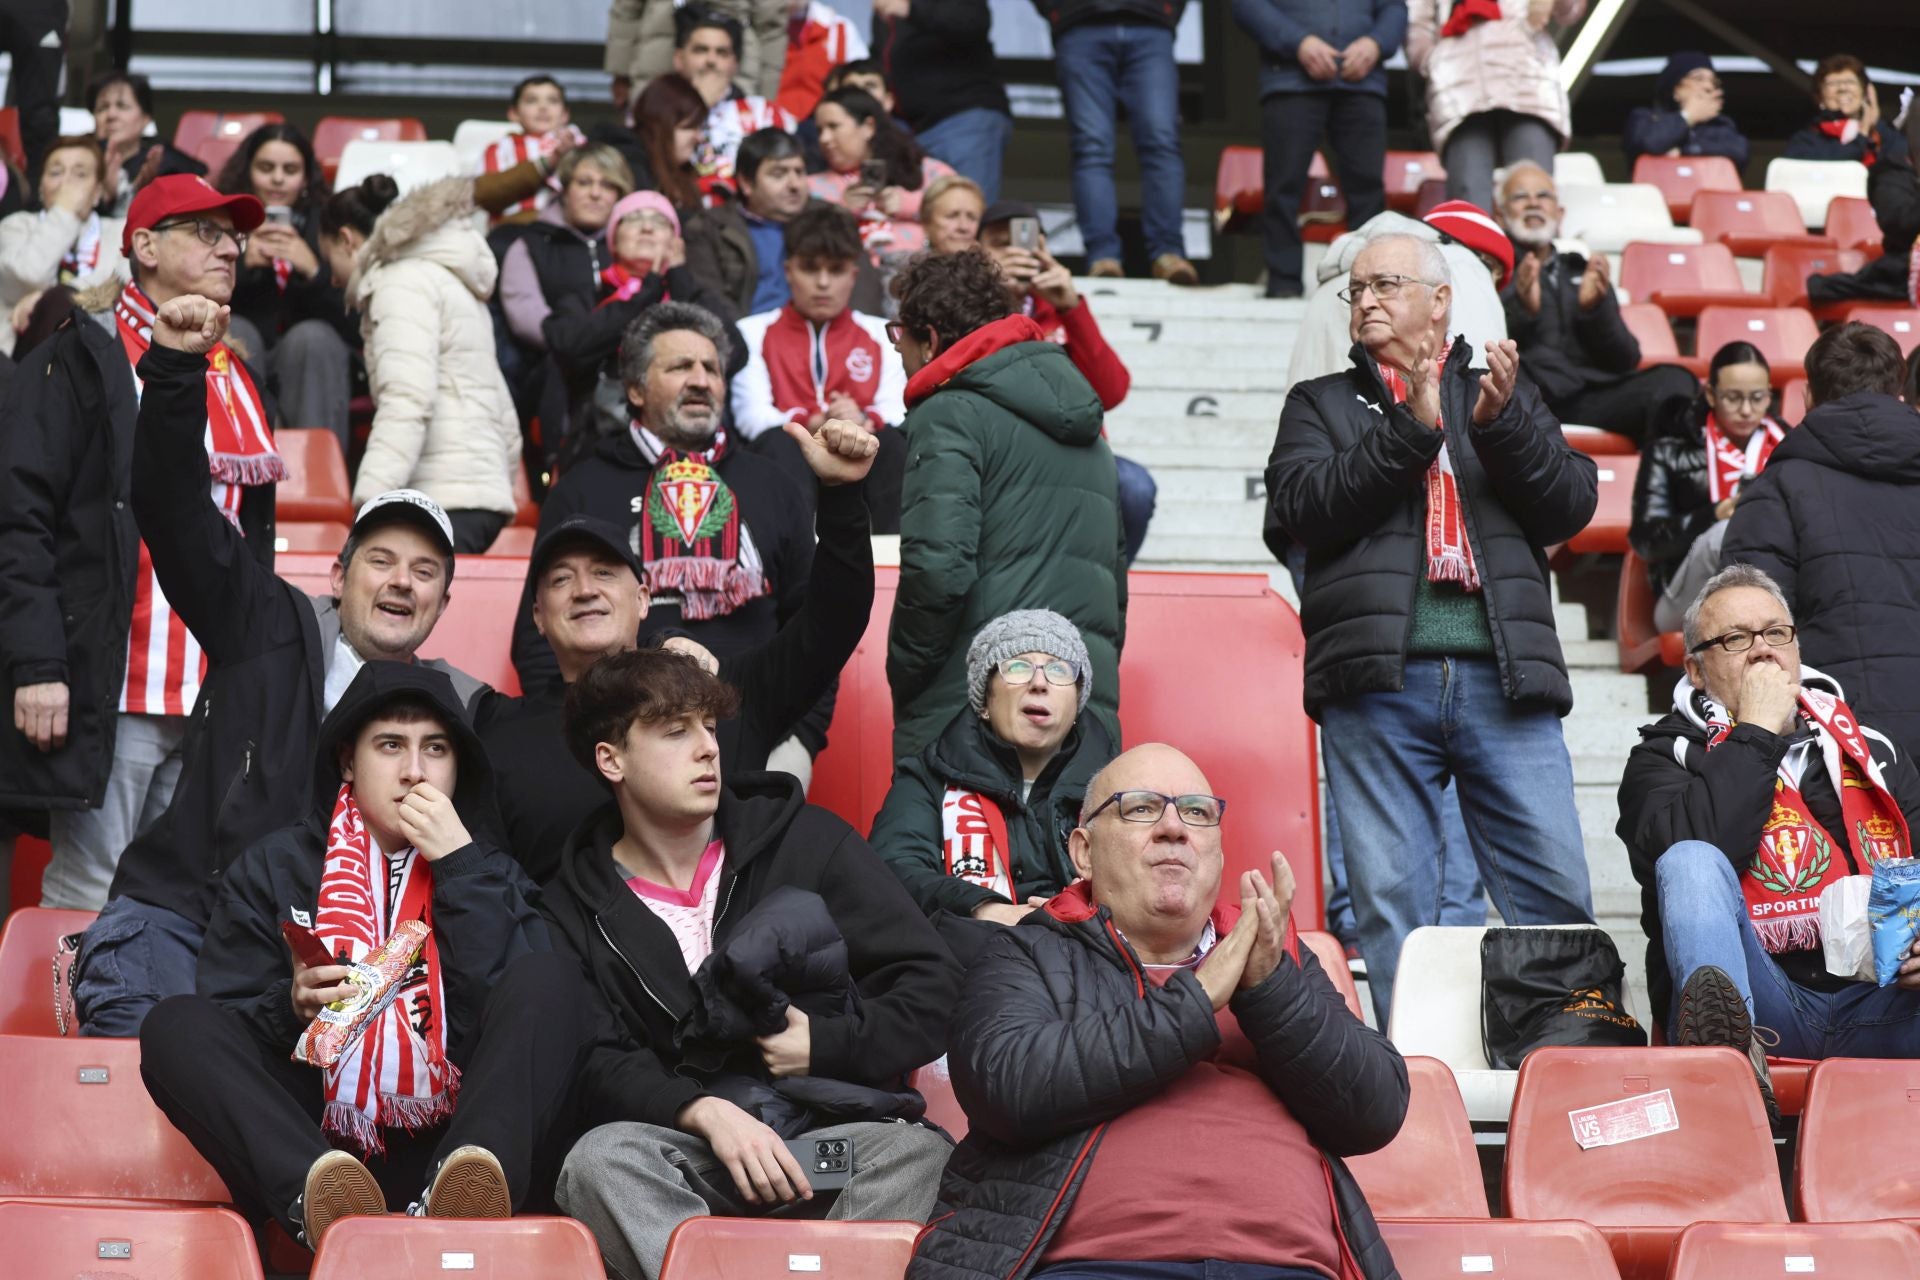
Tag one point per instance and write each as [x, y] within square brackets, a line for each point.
[31, 855]
[526, 511]
[1438, 1249]
[1748, 221]
[1333, 958]
[1853, 225]
[1651, 329]
[514, 540]
[316, 488]
[1642, 646]
[475, 634]
[1405, 173]
[1785, 268]
[1793, 402]
[402, 1248]
[80, 1123]
[1323, 206]
[1783, 335]
[1681, 279]
[1680, 178]
[1717, 1166]
[211, 136]
[1859, 1155]
[1239, 186]
[98, 1241]
[332, 134]
[1746, 1250]
[325, 536]
[27, 976]
[1902, 323]
[1596, 443]
[935, 1084]
[726, 1248]
[1430, 1169]
[1606, 532]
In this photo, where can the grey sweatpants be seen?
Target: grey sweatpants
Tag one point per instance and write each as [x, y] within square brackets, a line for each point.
[632, 1184]
[1702, 562]
[87, 843]
[1491, 140]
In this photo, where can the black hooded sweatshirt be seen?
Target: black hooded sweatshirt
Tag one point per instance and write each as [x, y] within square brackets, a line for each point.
[483, 904]
[907, 979]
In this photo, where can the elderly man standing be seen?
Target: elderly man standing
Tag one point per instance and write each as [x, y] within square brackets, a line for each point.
[1562, 312]
[1132, 1034]
[1424, 489]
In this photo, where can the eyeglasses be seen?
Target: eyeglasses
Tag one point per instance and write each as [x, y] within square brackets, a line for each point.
[1020, 671]
[208, 232]
[1384, 287]
[1739, 641]
[1147, 806]
[1758, 399]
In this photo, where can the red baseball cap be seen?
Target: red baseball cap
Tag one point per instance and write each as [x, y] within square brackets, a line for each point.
[1473, 227]
[183, 193]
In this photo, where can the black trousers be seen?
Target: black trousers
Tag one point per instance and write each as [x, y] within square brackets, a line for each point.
[475, 530]
[254, 1114]
[1633, 405]
[883, 482]
[34, 87]
[1291, 126]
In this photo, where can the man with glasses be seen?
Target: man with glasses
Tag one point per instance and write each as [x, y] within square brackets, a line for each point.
[1158, 1082]
[1760, 789]
[1562, 312]
[1424, 490]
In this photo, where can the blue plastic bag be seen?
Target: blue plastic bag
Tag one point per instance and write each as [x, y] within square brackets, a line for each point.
[1893, 912]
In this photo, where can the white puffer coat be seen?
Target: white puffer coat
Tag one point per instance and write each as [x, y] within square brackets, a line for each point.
[1512, 64]
[443, 421]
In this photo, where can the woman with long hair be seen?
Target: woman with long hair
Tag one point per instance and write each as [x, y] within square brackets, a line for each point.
[668, 115]
[876, 170]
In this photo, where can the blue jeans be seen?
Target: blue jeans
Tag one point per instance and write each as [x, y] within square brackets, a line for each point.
[1462, 900]
[1389, 756]
[1101, 65]
[1137, 492]
[1212, 1269]
[133, 956]
[1704, 917]
[974, 142]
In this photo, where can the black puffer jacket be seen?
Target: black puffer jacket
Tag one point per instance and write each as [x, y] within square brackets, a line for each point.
[1835, 519]
[1056, 1035]
[1564, 349]
[1347, 478]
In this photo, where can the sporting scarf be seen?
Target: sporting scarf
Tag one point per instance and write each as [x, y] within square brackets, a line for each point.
[973, 837]
[1845, 130]
[393, 1076]
[1794, 861]
[1469, 14]
[239, 450]
[83, 255]
[1449, 554]
[1728, 464]
[691, 539]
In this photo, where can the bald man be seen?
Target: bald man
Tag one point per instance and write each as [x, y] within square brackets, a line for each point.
[1131, 1034]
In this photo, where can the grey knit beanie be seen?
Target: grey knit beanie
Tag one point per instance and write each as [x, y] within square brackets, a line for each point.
[1025, 631]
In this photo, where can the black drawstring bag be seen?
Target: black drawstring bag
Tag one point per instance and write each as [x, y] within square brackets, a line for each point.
[1551, 987]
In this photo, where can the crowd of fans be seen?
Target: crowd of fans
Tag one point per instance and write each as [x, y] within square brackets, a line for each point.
[778, 308]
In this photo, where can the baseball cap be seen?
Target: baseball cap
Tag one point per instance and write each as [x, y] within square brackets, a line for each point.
[1475, 228]
[179, 194]
[408, 506]
[583, 528]
[1006, 210]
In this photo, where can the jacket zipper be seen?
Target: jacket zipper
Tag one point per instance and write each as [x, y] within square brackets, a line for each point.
[726, 899]
[631, 966]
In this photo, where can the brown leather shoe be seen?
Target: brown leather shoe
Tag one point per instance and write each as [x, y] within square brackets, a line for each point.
[1106, 269]
[1174, 269]
[469, 1184]
[338, 1186]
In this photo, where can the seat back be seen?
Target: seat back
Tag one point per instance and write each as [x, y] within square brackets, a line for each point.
[1436, 998]
[403, 1248]
[29, 973]
[1814, 183]
[80, 1123]
[1643, 647]
[98, 1241]
[1680, 177]
[1652, 330]
[316, 489]
[1239, 185]
[1853, 225]
[1902, 324]
[1612, 215]
[1333, 958]
[1783, 335]
[1431, 1168]
[1719, 214]
[1793, 402]
[724, 1248]
[323, 536]
[211, 136]
[1648, 271]
[1437, 1249]
[1744, 1250]
[332, 134]
[1715, 1163]
[471, 138]
[1578, 168]
[1851, 1102]
[1606, 531]
[1405, 172]
[1785, 268]
[31, 855]
[409, 164]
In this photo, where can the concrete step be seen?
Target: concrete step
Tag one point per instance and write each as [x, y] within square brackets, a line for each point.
[1204, 377]
[1595, 655]
[1130, 334]
[1202, 361]
[1155, 404]
[1176, 544]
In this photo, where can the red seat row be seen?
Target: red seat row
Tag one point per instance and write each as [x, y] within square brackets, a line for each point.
[212, 136]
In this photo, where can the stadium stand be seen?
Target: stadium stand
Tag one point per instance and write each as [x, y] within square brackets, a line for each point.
[1680, 178]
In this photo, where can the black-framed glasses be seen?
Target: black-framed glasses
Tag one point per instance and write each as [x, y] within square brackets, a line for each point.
[1384, 287]
[1758, 399]
[1146, 806]
[207, 231]
[1739, 641]
[1020, 671]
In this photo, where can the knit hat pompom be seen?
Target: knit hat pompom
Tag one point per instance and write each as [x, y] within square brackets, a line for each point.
[1025, 631]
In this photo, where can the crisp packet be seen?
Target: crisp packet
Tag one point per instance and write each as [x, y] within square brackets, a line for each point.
[1893, 912]
[336, 1028]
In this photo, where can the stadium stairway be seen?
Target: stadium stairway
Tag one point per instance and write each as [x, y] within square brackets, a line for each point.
[1209, 370]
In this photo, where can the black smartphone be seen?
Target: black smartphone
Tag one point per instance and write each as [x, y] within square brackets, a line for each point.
[873, 174]
[828, 1161]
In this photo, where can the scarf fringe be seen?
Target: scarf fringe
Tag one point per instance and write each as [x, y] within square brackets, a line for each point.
[1451, 566]
[707, 588]
[347, 1126]
[247, 469]
[1795, 933]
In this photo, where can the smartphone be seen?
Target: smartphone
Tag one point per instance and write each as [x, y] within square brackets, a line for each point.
[281, 214]
[828, 1161]
[873, 174]
[1026, 233]
[312, 952]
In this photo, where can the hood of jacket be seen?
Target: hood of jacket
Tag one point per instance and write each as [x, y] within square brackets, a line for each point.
[1012, 365]
[1865, 434]
[378, 685]
[433, 224]
[969, 754]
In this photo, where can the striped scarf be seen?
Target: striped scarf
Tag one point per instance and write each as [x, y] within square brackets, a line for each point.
[1449, 554]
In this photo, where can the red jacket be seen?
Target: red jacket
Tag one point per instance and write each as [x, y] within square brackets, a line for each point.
[794, 369]
[1086, 346]
[825, 41]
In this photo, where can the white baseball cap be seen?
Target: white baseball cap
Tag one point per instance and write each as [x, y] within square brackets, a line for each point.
[412, 506]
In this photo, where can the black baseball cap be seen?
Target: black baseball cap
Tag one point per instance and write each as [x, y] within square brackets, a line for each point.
[591, 529]
[1006, 210]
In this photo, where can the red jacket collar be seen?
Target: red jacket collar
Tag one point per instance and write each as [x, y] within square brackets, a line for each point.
[978, 345]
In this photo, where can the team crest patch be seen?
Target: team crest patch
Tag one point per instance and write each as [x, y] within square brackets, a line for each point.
[1879, 838]
[1794, 854]
[688, 502]
[860, 364]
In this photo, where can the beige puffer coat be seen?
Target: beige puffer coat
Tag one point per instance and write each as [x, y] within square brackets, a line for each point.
[443, 420]
[1512, 64]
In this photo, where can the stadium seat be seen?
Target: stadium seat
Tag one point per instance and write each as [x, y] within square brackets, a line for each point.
[316, 488]
[1783, 335]
[1432, 192]
[1679, 177]
[475, 634]
[725, 1248]
[397, 1247]
[1642, 647]
[1853, 225]
[31, 854]
[1785, 268]
[1323, 205]
[1814, 183]
[409, 164]
[1746, 1250]
[935, 1084]
[514, 540]
[1611, 216]
[27, 974]
[1715, 1165]
[1793, 402]
[471, 138]
[1405, 173]
[1902, 323]
[99, 1241]
[1681, 279]
[80, 1123]
[1578, 168]
[1333, 958]
[1748, 221]
[1442, 1249]
[211, 136]
[1859, 1150]
[332, 134]
[1653, 331]
[13, 149]
[1606, 532]
[1430, 1169]
[526, 511]
[1596, 443]
[309, 535]
[1239, 190]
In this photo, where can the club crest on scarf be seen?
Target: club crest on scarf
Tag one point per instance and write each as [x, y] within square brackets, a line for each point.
[973, 835]
[1795, 853]
[690, 537]
[688, 501]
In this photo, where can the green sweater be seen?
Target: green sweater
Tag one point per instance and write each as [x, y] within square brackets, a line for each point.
[1448, 622]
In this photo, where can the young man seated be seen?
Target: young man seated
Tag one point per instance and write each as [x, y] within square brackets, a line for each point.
[538, 109]
[817, 358]
[666, 893]
[453, 1095]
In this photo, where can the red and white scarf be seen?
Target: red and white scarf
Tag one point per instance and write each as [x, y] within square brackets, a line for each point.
[83, 255]
[1730, 465]
[1794, 861]
[691, 539]
[1449, 554]
[1467, 15]
[396, 1075]
[973, 838]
